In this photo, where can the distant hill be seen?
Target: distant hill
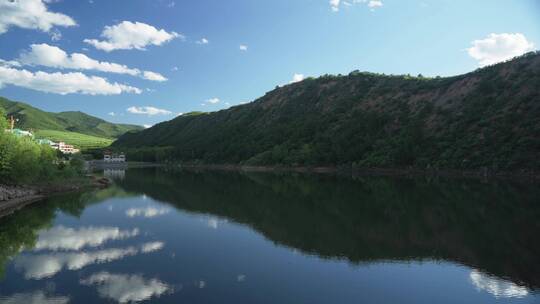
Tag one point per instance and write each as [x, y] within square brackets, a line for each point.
[67, 126]
[486, 118]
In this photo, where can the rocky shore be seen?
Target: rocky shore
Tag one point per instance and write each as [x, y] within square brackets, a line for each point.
[14, 197]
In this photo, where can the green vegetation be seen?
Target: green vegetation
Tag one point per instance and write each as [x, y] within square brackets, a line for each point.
[22, 160]
[70, 126]
[489, 118]
[82, 141]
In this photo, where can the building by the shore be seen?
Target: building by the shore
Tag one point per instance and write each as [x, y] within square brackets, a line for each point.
[110, 157]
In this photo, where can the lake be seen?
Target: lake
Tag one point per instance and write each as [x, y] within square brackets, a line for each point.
[226, 237]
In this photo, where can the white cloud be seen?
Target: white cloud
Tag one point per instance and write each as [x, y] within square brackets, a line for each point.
[203, 41]
[62, 83]
[146, 212]
[147, 126]
[30, 14]
[148, 110]
[499, 47]
[153, 76]
[52, 56]
[9, 63]
[297, 78]
[111, 114]
[334, 4]
[56, 35]
[36, 297]
[497, 287]
[243, 47]
[131, 35]
[62, 238]
[372, 4]
[213, 100]
[126, 288]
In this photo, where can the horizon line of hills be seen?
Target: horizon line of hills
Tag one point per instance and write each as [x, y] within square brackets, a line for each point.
[488, 118]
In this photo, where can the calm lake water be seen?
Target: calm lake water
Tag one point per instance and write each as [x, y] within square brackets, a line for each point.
[216, 237]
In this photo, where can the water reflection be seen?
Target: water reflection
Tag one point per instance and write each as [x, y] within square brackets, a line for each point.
[37, 297]
[147, 212]
[46, 265]
[498, 287]
[62, 238]
[126, 288]
[116, 174]
[40, 266]
[155, 230]
[492, 227]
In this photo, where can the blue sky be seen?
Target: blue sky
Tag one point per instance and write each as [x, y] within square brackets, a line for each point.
[281, 38]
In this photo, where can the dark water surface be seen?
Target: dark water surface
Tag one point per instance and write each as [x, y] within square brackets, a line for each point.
[217, 237]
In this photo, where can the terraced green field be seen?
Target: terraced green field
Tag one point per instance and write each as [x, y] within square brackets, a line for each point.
[79, 140]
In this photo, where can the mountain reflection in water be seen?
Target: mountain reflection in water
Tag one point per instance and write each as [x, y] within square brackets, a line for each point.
[491, 228]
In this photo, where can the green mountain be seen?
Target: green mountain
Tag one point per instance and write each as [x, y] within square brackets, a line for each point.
[486, 118]
[78, 122]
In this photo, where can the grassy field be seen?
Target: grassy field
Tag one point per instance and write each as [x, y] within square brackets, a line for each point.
[79, 140]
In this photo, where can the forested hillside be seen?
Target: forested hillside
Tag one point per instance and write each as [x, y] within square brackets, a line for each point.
[486, 118]
[78, 122]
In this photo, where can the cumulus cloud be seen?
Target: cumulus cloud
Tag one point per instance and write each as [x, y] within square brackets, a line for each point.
[297, 78]
[243, 47]
[9, 63]
[131, 35]
[146, 212]
[499, 47]
[54, 57]
[153, 76]
[148, 110]
[36, 297]
[30, 14]
[497, 287]
[203, 41]
[62, 83]
[213, 100]
[334, 4]
[126, 288]
[62, 238]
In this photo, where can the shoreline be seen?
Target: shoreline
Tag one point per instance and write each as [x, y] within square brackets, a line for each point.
[16, 197]
[397, 172]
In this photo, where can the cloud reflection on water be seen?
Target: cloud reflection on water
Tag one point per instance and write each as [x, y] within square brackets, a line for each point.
[63, 238]
[47, 265]
[125, 288]
[498, 287]
[37, 297]
[147, 212]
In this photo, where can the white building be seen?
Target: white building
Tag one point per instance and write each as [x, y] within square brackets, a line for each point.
[64, 148]
[109, 157]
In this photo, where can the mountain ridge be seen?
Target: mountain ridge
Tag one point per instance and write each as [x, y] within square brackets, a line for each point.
[72, 121]
[486, 118]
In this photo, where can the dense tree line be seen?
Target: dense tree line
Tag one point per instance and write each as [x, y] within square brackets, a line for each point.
[489, 118]
[22, 160]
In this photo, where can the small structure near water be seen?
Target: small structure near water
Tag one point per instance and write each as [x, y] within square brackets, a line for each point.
[110, 157]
